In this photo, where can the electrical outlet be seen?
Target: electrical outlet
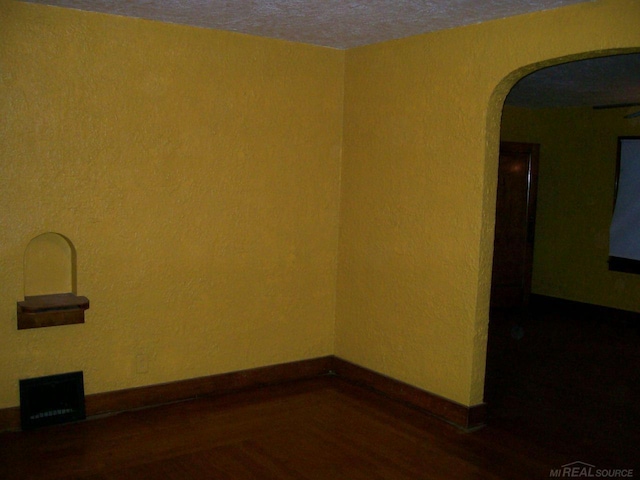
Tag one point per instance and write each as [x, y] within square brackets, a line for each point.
[142, 363]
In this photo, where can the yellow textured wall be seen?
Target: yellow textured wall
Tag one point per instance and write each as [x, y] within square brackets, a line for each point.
[575, 201]
[197, 175]
[422, 118]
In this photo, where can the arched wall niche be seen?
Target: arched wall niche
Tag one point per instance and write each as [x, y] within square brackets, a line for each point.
[50, 284]
[49, 265]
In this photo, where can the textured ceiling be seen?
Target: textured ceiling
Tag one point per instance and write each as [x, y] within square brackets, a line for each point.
[601, 81]
[330, 23]
[345, 24]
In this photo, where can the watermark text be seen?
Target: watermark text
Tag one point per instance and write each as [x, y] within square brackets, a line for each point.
[586, 470]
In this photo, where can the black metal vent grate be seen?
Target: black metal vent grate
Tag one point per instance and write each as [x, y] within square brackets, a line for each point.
[52, 400]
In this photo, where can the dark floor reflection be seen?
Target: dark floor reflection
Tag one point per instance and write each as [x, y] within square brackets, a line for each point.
[568, 376]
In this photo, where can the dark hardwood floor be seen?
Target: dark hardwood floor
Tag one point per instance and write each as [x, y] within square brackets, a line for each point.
[567, 377]
[561, 388]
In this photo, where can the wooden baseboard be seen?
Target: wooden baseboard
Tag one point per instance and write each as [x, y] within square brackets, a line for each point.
[151, 395]
[586, 311]
[140, 397]
[9, 418]
[467, 418]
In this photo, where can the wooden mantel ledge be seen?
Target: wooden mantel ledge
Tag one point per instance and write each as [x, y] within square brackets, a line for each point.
[57, 301]
[51, 310]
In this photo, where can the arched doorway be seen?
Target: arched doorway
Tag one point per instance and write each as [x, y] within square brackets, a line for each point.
[562, 370]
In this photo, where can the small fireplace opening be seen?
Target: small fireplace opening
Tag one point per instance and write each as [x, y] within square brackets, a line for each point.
[52, 400]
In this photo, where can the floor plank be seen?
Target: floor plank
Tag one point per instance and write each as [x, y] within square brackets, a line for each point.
[319, 429]
[568, 380]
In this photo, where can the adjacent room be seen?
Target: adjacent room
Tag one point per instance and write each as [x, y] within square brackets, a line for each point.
[563, 326]
[295, 222]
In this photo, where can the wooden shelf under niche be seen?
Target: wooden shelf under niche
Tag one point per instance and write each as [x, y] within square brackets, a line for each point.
[51, 310]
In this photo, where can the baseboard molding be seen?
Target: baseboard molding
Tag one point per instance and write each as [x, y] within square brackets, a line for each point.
[588, 311]
[467, 418]
[9, 418]
[133, 398]
[140, 397]
[158, 394]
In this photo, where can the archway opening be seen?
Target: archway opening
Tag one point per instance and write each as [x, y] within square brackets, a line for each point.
[560, 366]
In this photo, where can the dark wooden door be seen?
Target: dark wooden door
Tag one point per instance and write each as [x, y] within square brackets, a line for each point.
[515, 224]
